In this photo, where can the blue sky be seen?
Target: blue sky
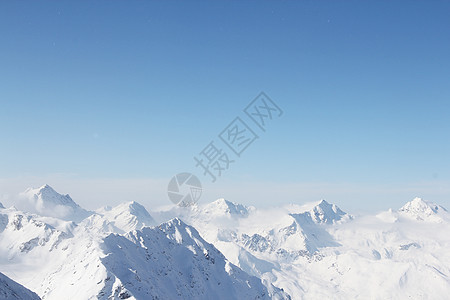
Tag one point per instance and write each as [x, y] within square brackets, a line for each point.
[124, 92]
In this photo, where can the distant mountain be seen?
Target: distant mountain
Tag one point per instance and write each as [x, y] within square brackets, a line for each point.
[45, 201]
[1, 205]
[127, 216]
[297, 234]
[222, 207]
[327, 213]
[10, 290]
[422, 210]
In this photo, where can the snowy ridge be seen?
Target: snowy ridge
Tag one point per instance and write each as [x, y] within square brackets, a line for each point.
[10, 290]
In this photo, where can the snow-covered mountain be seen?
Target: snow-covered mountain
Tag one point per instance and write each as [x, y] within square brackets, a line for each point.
[319, 251]
[222, 207]
[10, 290]
[170, 261]
[227, 250]
[113, 254]
[21, 232]
[30, 247]
[45, 201]
[325, 212]
[127, 216]
[422, 210]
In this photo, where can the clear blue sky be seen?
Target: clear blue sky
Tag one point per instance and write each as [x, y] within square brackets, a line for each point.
[135, 89]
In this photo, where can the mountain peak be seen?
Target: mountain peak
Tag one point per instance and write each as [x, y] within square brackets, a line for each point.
[325, 212]
[421, 209]
[222, 207]
[44, 189]
[127, 216]
[135, 205]
[177, 222]
[47, 202]
[46, 186]
[48, 195]
[420, 205]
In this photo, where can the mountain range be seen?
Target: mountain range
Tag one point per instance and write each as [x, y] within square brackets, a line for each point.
[225, 250]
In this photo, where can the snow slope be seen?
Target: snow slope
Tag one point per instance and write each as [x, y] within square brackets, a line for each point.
[10, 290]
